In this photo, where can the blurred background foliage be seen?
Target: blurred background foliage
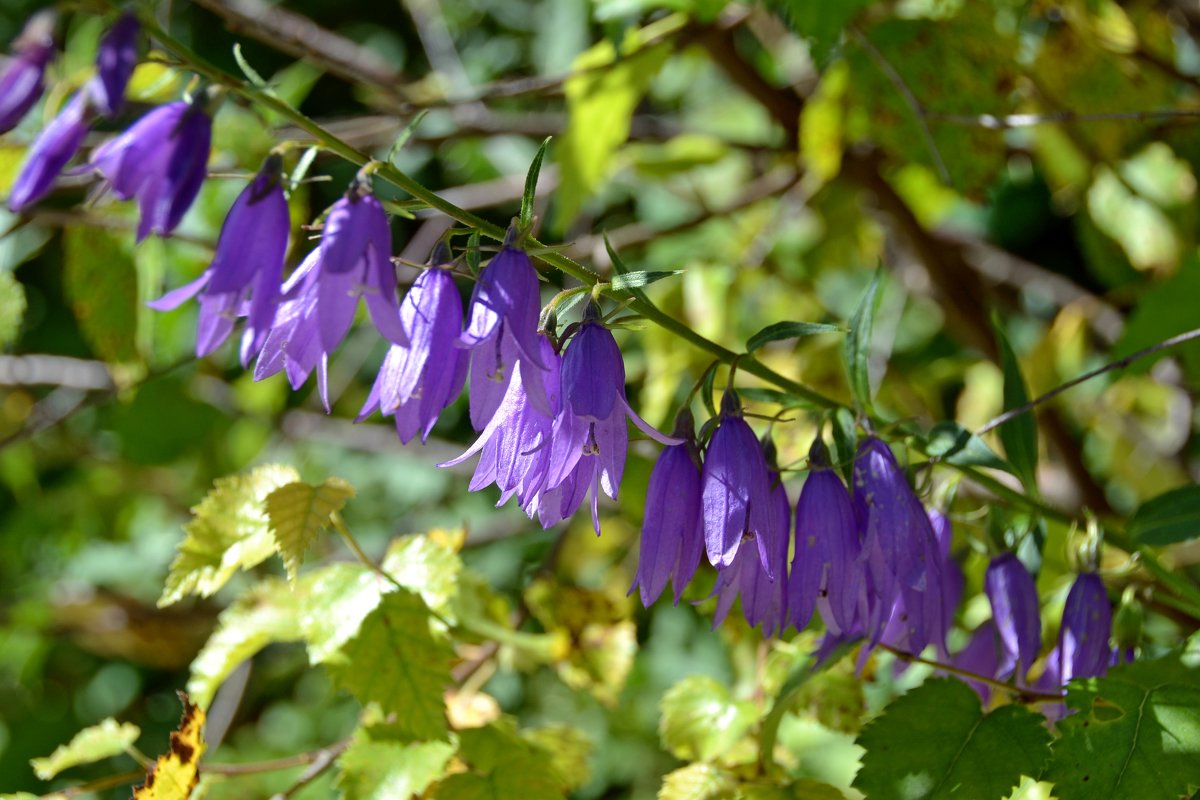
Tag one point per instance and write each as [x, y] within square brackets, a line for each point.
[776, 155]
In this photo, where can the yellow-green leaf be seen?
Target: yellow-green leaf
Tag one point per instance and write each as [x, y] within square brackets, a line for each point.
[698, 781]
[176, 772]
[109, 738]
[299, 511]
[371, 770]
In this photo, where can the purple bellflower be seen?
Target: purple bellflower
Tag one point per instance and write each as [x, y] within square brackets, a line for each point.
[672, 529]
[246, 271]
[764, 600]
[826, 570]
[54, 147]
[22, 81]
[978, 657]
[514, 446]
[896, 527]
[162, 161]
[115, 61]
[590, 440]
[417, 381]
[737, 502]
[1014, 600]
[502, 328]
[1083, 648]
[292, 345]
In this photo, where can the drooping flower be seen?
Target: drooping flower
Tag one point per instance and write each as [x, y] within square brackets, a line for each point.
[162, 161]
[502, 328]
[23, 79]
[54, 147]
[418, 380]
[1083, 647]
[896, 527]
[115, 61]
[1013, 596]
[590, 441]
[737, 502]
[764, 599]
[672, 533]
[246, 271]
[826, 569]
[292, 345]
[979, 658]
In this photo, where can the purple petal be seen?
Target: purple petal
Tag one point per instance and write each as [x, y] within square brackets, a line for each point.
[115, 61]
[51, 151]
[1014, 600]
[593, 372]
[1086, 627]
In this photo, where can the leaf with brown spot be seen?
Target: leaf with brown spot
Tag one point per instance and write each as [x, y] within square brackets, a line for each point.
[176, 773]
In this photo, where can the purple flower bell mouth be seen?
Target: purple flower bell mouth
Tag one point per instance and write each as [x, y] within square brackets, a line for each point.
[162, 161]
[737, 491]
[115, 61]
[1013, 596]
[246, 271]
[23, 79]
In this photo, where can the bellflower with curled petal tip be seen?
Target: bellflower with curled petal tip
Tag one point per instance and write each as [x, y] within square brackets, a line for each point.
[502, 328]
[115, 61]
[764, 601]
[162, 161]
[737, 491]
[672, 531]
[246, 271]
[23, 79]
[1014, 599]
[418, 380]
[1086, 626]
[54, 147]
[825, 567]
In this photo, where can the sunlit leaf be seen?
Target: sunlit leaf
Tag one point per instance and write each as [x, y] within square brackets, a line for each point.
[298, 512]
[500, 764]
[857, 347]
[105, 740]
[175, 774]
[698, 781]
[700, 721]
[387, 770]
[12, 307]
[788, 330]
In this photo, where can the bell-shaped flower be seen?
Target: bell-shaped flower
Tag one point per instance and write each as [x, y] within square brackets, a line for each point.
[23, 78]
[162, 161]
[246, 271]
[978, 657]
[826, 569]
[514, 447]
[115, 61]
[672, 533]
[898, 537]
[54, 147]
[1083, 646]
[418, 380]
[737, 503]
[764, 599]
[502, 328]
[293, 345]
[952, 582]
[1014, 599]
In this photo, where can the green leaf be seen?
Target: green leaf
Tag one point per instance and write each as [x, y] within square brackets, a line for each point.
[529, 196]
[698, 781]
[501, 765]
[298, 512]
[109, 738]
[396, 662]
[1019, 435]
[100, 283]
[1165, 310]
[759, 394]
[700, 721]
[857, 347]
[933, 743]
[302, 166]
[620, 267]
[953, 444]
[370, 770]
[12, 307]
[601, 96]
[820, 23]
[429, 565]
[269, 613]
[1170, 517]
[250, 72]
[1136, 733]
[473, 252]
[405, 135]
[788, 330]
[568, 749]
[626, 281]
[229, 531]
[341, 596]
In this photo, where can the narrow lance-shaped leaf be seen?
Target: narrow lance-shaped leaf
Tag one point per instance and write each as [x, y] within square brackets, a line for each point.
[1170, 517]
[857, 348]
[529, 196]
[404, 135]
[630, 280]
[1019, 435]
[788, 330]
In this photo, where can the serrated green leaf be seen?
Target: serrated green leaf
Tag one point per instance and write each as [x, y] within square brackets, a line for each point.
[788, 330]
[428, 565]
[105, 740]
[700, 721]
[298, 512]
[396, 662]
[1170, 517]
[626, 281]
[269, 613]
[529, 196]
[100, 283]
[1136, 733]
[857, 348]
[229, 531]
[933, 743]
[568, 750]
[340, 597]
[953, 444]
[1019, 435]
[12, 307]
[370, 770]
[698, 781]
[501, 765]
